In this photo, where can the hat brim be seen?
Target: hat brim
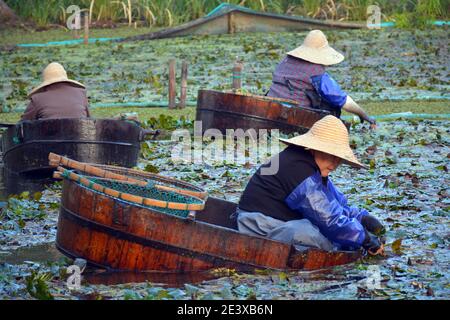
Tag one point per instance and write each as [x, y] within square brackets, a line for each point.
[56, 80]
[308, 141]
[326, 56]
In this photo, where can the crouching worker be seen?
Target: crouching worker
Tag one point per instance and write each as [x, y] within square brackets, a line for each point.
[57, 97]
[300, 205]
[302, 76]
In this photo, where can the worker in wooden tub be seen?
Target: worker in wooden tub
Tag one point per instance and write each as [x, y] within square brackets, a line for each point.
[299, 204]
[57, 96]
[301, 76]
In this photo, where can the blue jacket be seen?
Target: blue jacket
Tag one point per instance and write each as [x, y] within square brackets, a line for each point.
[327, 208]
[329, 90]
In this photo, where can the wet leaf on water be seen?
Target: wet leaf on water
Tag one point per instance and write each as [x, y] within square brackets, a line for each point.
[264, 272]
[37, 286]
[226, 293]
[21, 223]
[191, 290]
[131, 295]
[227, 174]
[371, 149]
[151, 168]
[37, 196]
[209, 296]
[372, 164]
[223, 272]
[397, 246]
[396, 225]
[283, 277]
[417, 285]
[24, 195]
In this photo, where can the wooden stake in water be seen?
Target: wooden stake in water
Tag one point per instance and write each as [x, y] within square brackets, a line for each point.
[184, 75]
[172, 87]
[86, 28]
[231, 23]
[237, 75]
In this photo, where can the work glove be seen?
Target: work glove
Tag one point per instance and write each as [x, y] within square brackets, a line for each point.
[372, 244]
[371, 224]
[372, 122]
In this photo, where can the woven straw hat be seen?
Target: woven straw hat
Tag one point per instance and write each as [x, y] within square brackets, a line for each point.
[328, 135]
[315, 49]
[54, 73]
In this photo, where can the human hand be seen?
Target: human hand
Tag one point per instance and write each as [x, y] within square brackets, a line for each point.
[373, 225]
[371, 120]
[372, 244]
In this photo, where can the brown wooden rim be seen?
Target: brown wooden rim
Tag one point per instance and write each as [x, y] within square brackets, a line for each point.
[85, 181]
[56, 160]
[122, 235]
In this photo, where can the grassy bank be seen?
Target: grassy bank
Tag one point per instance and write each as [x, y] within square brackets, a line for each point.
[17, 36]
[373, 108]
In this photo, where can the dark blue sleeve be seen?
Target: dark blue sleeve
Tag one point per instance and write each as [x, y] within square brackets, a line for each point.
[316, 203]
[351, 212]
[329, 90]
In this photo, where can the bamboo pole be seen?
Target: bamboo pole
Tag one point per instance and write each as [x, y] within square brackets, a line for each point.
[56, 160]
[196, 204]
[184, 75]
[237, 75]
[86, 28]
[172, 86]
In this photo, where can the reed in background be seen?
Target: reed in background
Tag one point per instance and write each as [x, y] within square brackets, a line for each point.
[164, 13]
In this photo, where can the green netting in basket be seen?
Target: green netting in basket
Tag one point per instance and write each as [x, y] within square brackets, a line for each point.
[148, 191]
[152, 178]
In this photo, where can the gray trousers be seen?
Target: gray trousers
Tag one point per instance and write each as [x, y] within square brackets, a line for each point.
[301, 233]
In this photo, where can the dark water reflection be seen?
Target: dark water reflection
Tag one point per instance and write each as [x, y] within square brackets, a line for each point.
[40, 254]
[47, 253]
[169, 279]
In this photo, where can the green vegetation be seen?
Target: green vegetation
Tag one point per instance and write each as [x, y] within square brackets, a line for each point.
[379, 65]
[153, 115]
[424, 10]
[22, 208]
[168, 13]
[37, 285]
[16, 36]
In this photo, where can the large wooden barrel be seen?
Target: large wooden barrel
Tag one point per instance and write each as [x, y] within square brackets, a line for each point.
[26, 146]
[220, 110]
[112, 234]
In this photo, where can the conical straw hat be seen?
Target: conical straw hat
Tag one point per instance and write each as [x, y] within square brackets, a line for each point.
[328, 135]
[315, 49]
[54, 73]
